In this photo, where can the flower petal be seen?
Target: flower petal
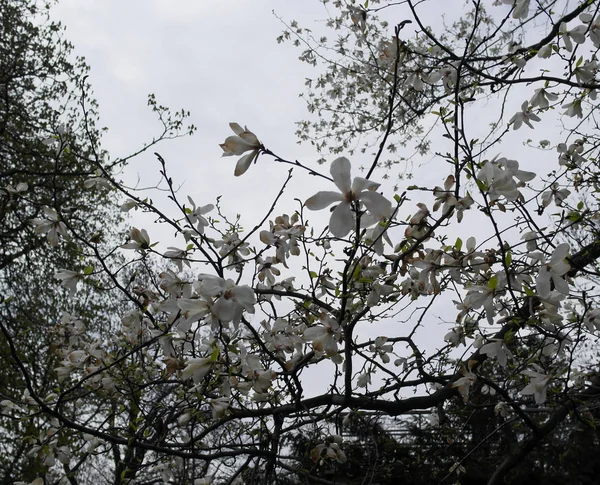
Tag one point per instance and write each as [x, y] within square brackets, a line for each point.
[542, 283]
[234, 145]
[342, 220]
[560, 253]
[377, 204]
[237, 129]
[244, 163]
[249, 137]
[340, 171]
[359, 184]
[561, 285]
[323, 199]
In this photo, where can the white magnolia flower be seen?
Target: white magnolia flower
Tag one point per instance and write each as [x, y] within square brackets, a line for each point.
[530, 239]
[325, 337]
[592, 320]
[243, 141]
[521, 10]
[501, 409]
[69, 279]
[11, 191]
[497, 348]
[231, 300]
[455, 337]
[554, 271]
[464, 384]
[537, 385]
[219, 407]
[51, 226]
[559, 195]
[570, 154]
[573, 109]
[360, 190]
[524, 116]
[197, 369]
[139, 239]
[196, 215]
[448, 75]
[329, 450]
[586, 72]
[542, 98]
[594, 32]
[128, 205]
[499, 176]
[178, 256]
[577, 35]
[545, 52]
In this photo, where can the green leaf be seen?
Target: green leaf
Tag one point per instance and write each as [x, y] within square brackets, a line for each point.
[88, 270]
[482, 186]
[493, 283]
[458, 244]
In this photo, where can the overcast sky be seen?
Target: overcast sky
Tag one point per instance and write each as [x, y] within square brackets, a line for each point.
[217, 59]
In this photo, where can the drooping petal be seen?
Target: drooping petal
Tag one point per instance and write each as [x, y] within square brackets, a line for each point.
[245, 296]
[340, 172]
[542, 282]
[223, 309]
[561, 285]
[342, 220]
[323, 199]
[560, 268]
[377, 204]
[244, 163]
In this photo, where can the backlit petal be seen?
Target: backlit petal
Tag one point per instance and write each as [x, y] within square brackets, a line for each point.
[377, 204]
[244, 163]
[340, 171]
[359, 184]
[323, 199]
[342, 220]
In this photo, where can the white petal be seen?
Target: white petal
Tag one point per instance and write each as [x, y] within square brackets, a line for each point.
[237, 129]
[323, 199]
[249, 137]
[244, 163]
[314, 332]
[560, 253]
[542, 282]
[560, 268]
[340, 171]
[342, 220]
[359, 184]
[377, 204]
[561, 285]
[223, 309]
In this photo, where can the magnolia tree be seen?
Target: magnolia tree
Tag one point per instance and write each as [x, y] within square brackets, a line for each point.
[205, 381]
